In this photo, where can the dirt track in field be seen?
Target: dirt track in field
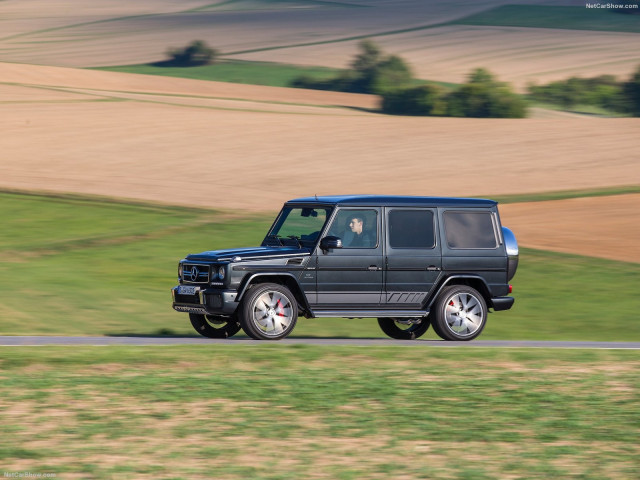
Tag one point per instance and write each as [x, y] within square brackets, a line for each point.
[239, 147]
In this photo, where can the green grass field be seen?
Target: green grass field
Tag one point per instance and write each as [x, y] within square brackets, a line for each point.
[234, 71]
[246, 72]
[543, 16]
[292, 412]
[79, 266]
[74, 265]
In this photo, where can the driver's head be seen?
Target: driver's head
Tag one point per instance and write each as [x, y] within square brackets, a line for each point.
[356, 225]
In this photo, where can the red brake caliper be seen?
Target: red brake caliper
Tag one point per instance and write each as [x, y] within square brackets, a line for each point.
[279, 309]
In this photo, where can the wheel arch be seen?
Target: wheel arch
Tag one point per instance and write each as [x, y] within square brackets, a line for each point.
[473, 281]
[284, 279]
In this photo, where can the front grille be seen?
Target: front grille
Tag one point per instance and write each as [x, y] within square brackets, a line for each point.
[195, 273]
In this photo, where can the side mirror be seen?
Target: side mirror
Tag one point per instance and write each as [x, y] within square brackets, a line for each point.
[329, 243]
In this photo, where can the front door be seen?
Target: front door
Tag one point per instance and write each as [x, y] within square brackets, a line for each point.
[413, 260]
[352, 275]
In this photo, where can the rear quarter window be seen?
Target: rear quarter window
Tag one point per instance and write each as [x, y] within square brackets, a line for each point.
[470, 230]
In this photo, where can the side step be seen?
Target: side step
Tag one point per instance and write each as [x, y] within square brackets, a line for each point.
[370, 313]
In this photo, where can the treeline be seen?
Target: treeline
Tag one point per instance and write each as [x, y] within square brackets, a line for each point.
[389, 76]
[604, 91]
[481, 97]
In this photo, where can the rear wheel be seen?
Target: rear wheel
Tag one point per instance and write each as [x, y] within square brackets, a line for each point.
[460, 313]
[268, 312]
[404, 328]
[213, 326]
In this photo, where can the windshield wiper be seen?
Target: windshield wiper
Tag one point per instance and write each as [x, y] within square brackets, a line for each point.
[277, 237]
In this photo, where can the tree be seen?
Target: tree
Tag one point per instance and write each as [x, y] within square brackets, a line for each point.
[484, 97]
[369, 57]
[194, 54]
[390, 73]
[631, 92]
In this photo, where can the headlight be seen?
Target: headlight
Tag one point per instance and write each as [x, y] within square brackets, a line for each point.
[221, 273]
[180, 270]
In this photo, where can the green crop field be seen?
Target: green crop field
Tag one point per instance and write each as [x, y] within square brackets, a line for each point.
[246, 72]
[234, 71]
[290, 412]
[543, 16]
[79, 266]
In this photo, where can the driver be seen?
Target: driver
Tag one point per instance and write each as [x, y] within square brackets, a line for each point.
[360, 238]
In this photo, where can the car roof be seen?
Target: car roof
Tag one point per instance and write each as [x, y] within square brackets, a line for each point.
[393, 201]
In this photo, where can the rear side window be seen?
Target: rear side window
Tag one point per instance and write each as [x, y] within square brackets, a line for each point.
[470, 230]
[411, 229]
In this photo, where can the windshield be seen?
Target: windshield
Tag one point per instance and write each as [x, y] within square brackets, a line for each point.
[298, 226]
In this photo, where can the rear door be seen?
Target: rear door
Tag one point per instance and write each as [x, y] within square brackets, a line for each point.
[413, 259]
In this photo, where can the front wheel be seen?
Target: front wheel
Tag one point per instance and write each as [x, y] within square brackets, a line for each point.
[404, 328]
[460, 313]
[268, 312]
[212, 326]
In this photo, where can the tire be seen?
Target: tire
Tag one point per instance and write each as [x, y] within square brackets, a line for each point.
[460, 313]
[268, 312]
[212, 326]
[400, 331]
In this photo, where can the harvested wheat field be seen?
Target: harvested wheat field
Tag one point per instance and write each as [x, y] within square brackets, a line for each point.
[201, 144]
[517, 55]
[83, 34]
[606, 227]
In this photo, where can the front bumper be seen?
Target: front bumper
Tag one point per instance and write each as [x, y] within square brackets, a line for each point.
[206, 301]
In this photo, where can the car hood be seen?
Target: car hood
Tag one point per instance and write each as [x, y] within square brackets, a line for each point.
[248, 253]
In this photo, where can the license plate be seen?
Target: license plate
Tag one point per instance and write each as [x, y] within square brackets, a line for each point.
[186, 290]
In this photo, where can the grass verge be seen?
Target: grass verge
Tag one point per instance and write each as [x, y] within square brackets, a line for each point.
[567, 194]
[288, 412]
[72, 266]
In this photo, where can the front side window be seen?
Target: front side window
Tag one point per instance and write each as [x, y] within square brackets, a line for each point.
[411, 229]
[298, 226]
[357, 228]
[470, 230]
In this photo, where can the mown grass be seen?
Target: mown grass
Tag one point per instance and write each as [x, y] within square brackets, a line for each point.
[288, 412]
[544, 16]
[73, 266]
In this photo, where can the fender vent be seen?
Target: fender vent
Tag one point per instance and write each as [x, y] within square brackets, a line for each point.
[294, 261]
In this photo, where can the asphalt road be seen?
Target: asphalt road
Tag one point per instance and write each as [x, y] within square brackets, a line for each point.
[363, 342]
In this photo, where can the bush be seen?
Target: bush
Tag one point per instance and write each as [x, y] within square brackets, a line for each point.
[603, 91]
[194, 54]
[484, 97]
[422, 100]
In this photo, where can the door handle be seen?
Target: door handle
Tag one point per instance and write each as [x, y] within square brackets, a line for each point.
[373, 268]
[432, 268]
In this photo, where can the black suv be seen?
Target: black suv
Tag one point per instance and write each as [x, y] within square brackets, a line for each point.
[410, 262]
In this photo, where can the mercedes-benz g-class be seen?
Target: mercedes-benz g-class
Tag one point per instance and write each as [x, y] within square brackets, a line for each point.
[410, 262]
